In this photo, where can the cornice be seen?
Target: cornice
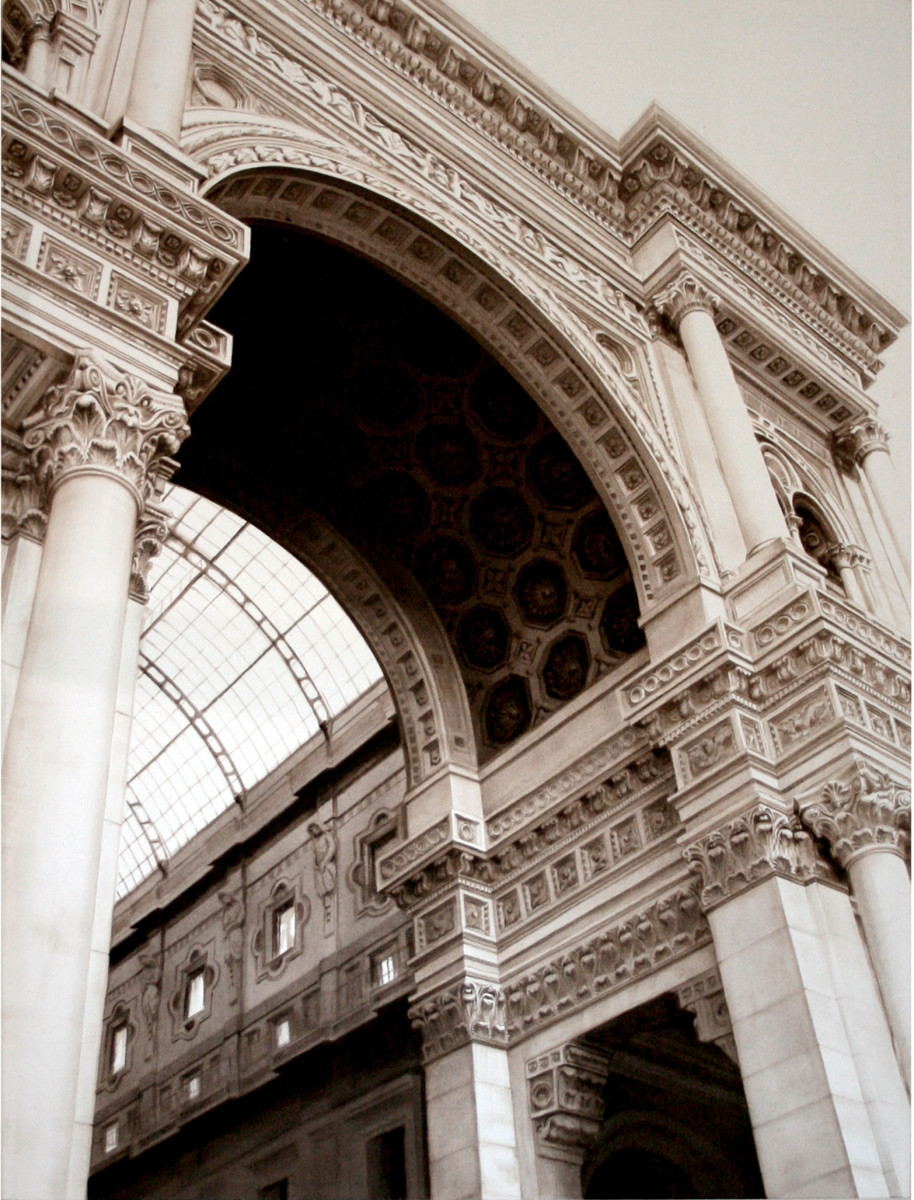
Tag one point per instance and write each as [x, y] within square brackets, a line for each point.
[475, 81]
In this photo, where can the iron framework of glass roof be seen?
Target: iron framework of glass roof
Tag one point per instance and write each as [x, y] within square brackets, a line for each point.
[244, 656]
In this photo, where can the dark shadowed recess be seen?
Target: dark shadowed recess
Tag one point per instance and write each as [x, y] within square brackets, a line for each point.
[354, 398]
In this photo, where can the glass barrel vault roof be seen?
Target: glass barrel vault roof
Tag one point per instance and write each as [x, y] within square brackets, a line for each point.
[244, 656]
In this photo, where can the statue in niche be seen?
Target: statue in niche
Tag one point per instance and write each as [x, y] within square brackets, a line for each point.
[151, 980]
[323, 845]
[233, 928]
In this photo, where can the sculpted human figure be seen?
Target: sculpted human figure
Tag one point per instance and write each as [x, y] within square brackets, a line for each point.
[324, 848]
[149, 997]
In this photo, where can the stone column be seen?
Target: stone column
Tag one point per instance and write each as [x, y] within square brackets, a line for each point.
[159, 86]
[866, 821]
[152, 529]
[565, 1095]
[472, 1147]
[845, 559]
[38, 52]
[812, 1127]
[24, 523]
[867, 443]
[99, 448]
[691, 306]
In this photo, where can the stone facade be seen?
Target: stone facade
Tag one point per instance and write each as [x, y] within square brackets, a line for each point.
[597, 476]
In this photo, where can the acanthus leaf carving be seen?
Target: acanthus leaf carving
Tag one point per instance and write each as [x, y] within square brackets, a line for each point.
[866, 811]
[105, 419]
[471, 1010]
[565, 1092]
[759, 843]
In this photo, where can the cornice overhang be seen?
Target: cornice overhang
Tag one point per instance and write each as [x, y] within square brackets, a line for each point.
[666, 168]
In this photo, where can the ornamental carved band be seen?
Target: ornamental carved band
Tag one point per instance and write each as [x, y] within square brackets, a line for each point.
[862, 439]
[867, 812]
[470, 1011]
[103, 419]
[761, 842]
[565, 1090]
[683, 295]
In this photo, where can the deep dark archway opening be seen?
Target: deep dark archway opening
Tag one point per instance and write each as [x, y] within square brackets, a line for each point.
[676, 1122]
[354, 398]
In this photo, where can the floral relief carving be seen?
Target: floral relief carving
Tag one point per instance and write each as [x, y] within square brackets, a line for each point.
[759, 843]
[864, 812]
[151, 532]
[108, 420]
[684, 294]
[627, 950]
[713, 747]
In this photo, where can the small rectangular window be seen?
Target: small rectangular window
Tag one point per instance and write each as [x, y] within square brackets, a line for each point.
[385, 969]
[284, 929]
[111, 1138]
[118, 1049]
[283, 1033]
[194, 995]
[193, 1087]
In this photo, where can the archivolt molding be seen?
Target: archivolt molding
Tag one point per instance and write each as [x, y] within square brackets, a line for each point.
[412, 648]
[625, 454]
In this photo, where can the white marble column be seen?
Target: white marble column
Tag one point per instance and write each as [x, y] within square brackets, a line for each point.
[158, 89]
[844, 559]
[24, 521]
[812, 1126]
[97, 447]
[868, 444]
[866, 821]
[690, 306]
[469, 1107]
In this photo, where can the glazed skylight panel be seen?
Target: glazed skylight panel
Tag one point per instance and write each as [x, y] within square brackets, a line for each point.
[340, 662]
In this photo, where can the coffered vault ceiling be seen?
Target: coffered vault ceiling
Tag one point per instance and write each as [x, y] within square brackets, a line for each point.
[353, 398]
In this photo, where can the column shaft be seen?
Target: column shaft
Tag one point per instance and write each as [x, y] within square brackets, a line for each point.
[812, 1129]
[880, 475]
[20, 578]
[741, 462]
[883, 890]
[55, 781]
[472, 1147]
[97, 980]
[159, 85]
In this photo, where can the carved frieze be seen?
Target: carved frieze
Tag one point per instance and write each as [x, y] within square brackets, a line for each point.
[612, 959]
[469, 1011]
[753, 846]
[864, 812]
[107, 420]
[566, 1101]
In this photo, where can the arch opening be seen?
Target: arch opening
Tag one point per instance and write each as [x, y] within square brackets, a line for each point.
[395, 433]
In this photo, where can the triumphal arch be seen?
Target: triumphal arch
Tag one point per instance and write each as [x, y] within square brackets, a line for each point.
[598, 885]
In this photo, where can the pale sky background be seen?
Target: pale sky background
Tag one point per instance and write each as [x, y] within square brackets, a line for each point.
[810, 99]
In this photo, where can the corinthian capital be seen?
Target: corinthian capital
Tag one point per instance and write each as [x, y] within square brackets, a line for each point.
[24, 507]
[865, 812]
[760, 842]
[683, 295]
[151, 532]
[860, 440]
[469, 1011]
[104, 420]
